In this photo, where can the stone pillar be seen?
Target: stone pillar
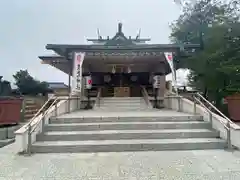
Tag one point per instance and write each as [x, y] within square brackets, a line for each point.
[161, 90]
[169, 86]
[83, 93]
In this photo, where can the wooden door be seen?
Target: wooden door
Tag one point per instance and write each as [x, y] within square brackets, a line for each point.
[121, 91]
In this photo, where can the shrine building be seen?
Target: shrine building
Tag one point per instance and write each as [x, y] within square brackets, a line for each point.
[121, 66]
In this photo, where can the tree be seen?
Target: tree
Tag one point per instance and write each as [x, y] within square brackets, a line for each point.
[5, 87]
[214, 70]
[28, 85]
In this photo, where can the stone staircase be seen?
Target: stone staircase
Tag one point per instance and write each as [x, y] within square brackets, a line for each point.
[31, 108]
[122, 104]
[119, 134]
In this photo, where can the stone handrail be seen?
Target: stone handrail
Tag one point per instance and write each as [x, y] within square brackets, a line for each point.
[229, 132]
[212, 106]
[26, 135]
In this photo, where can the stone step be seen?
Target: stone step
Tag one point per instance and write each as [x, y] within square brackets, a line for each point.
[127, 119]
[127, 126]
[31, 106]
[122, 105]
[126, 134]
[121, 100]
[31, 111]
[110, 107]
[28, 115]
[127, 108]
[127, 145]
[122, 109]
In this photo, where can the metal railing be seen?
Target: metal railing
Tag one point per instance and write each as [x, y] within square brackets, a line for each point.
[31, 126]
[145, 95]
[34, 126]
[99, 93]
[198, 98]
[41, 109]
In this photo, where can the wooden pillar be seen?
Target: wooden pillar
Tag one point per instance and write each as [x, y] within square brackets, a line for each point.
[83, 86]
[70, 67]
[69, 77]
[70, 62]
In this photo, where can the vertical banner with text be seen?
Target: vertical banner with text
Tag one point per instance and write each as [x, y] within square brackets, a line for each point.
[77, 71]
[169, 58]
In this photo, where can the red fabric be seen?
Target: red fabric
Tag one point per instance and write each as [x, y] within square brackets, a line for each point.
[89, 81]
[170, 57]
[79, 58]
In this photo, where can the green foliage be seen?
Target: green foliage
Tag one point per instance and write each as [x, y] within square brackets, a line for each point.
[215, 70]
[28, 85]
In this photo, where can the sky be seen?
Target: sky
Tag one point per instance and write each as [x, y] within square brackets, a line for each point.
[28, 25]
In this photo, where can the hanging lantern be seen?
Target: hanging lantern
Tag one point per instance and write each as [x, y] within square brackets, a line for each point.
[107, 78]
[114, 69]
[134, 78]
[129, 69]
[88, 82]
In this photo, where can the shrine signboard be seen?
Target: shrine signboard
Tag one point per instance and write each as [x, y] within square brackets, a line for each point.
[77, 71]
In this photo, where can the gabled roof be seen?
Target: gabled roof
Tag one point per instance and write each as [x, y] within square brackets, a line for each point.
[119, 39]
[118, 44]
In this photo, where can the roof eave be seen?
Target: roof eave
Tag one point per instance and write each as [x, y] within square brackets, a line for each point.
[61, 48]
[50, 57]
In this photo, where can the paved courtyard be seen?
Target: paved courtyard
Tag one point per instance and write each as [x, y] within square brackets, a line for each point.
[172, 165]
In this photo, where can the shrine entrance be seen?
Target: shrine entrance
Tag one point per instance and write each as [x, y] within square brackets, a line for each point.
[123, 85]
[122, 92]
[121, 81]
